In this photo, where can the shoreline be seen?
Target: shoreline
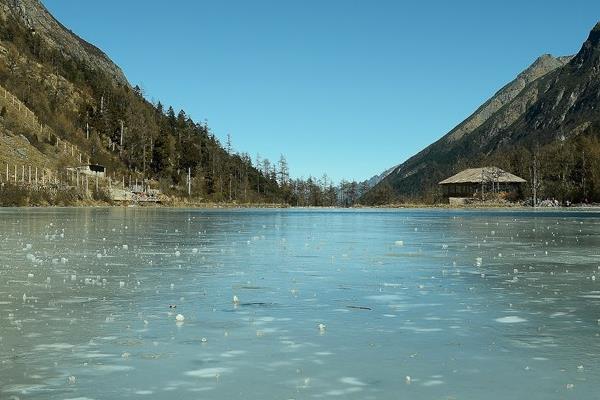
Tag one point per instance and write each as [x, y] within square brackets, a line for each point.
[233, 206]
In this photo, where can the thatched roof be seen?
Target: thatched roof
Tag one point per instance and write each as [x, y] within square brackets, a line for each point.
[485, 174]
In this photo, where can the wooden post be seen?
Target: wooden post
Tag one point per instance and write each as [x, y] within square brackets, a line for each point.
[15, 173]
[121, 140]
[189, 182]
[30, 174]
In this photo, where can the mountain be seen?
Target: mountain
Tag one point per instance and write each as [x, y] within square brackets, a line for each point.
[64, 102]
[555, 99]
[33, 15]
[375, 179]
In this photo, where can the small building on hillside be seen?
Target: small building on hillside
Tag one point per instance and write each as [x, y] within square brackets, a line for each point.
[92, 169]
[474, 181]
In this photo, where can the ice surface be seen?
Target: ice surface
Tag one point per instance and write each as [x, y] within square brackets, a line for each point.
[298, 304]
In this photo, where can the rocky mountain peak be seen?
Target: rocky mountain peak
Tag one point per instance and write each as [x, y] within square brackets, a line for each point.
[34, 15]
[590, 51]
[595, 33]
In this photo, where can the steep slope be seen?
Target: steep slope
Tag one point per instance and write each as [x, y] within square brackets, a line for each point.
[73, 89]
[36, 17]
[568, 103]
[553, 98]
[543, 65]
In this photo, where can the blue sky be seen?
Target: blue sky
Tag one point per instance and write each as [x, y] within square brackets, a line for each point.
[343, 87]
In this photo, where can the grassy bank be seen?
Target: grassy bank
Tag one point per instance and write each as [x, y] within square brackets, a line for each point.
[16, 195]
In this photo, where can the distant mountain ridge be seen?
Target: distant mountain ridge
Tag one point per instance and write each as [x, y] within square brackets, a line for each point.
[556, 97]
[375, 179]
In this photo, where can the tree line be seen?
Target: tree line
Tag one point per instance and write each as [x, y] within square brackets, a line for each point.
[567, 169]
[119, 128]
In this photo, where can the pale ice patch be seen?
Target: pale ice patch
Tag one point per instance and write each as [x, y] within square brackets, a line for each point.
[93, 355]
[201, 389]
[558, 314]
[420, 330]
[348, 380]
[79, 398]
[113, 368]
[511, 319]
[22, 389]
[387, 284]
[54, 346]
[233, 353]
[342, 392]
[433, 382]
[75, 300]
[278, 364]
[208, 372]
[144, 392]
[385, 298]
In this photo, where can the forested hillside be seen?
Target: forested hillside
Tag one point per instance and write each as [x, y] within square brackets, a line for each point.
[544, 127]
[86, 101]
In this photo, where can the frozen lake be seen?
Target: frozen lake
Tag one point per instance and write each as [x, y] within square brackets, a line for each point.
[413, 304]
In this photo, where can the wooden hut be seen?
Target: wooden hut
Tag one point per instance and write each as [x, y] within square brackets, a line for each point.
[473, 181]
[92, 169]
